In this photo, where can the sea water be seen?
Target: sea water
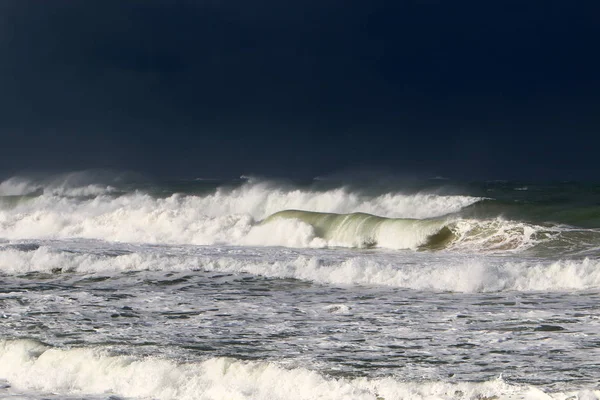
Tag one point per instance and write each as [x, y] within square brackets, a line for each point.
[256, 289]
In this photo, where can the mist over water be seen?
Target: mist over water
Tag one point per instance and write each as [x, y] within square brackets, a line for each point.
[113, 285]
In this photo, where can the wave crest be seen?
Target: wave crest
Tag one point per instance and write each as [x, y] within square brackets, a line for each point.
[364, 230]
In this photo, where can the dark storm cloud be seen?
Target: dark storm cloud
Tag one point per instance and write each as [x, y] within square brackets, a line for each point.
[224, 87]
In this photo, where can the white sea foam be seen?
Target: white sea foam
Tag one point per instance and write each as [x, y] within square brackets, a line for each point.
[426, 272]
[30, 366]
[460, 275]
[499, 235]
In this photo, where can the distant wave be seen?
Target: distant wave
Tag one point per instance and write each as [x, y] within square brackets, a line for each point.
[30, 365]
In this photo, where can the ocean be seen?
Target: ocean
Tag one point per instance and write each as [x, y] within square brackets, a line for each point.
[118, 287]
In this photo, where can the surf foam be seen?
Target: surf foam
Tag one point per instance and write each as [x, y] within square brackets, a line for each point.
[31, 366]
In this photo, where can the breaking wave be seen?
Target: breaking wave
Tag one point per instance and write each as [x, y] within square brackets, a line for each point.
[366, 230]
[72, 207]
[452, 233]
[141, 218]
[263, 213]
[29, 365]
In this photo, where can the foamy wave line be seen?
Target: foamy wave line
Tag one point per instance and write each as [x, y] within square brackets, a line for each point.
[30, 366]
[455, 274]
[467, 275]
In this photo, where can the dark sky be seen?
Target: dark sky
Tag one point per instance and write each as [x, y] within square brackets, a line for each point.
[216, 88]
